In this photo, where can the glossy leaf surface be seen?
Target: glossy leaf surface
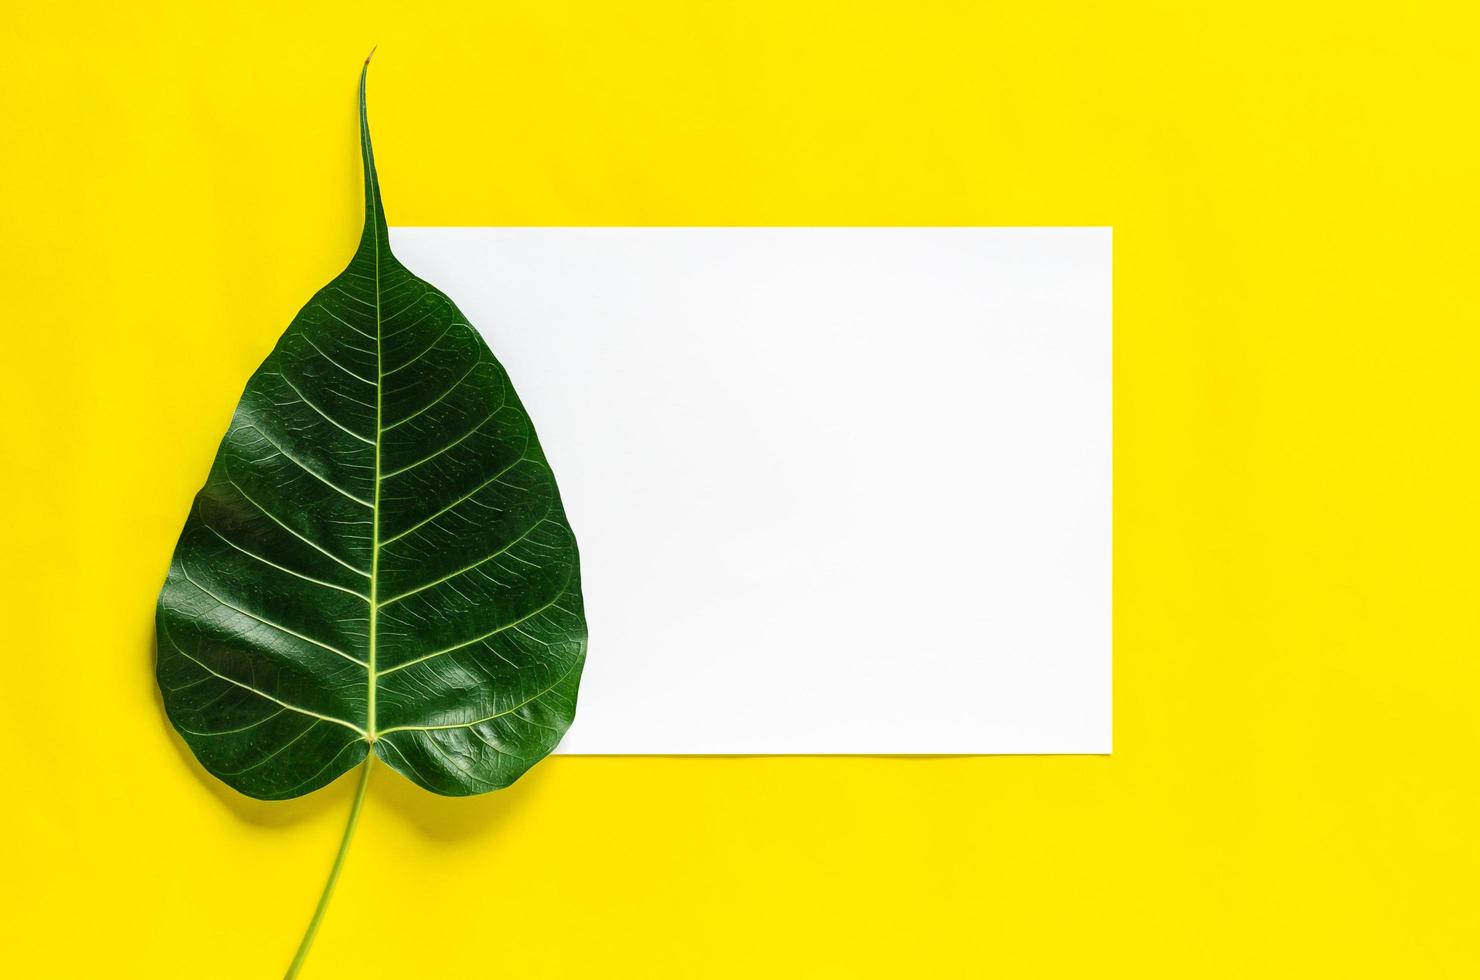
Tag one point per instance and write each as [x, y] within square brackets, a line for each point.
[379, 560]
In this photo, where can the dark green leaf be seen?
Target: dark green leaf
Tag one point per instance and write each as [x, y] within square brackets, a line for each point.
[378, 560]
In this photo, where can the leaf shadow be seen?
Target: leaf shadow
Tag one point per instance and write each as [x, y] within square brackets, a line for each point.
[458, 818]
[262, 813]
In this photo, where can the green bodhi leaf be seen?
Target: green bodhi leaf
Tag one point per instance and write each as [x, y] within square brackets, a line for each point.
[378, 565]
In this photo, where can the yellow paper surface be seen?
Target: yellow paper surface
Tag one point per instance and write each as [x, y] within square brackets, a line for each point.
[1292, 192]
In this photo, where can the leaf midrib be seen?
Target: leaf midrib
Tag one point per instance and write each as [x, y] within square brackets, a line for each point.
[373, 194]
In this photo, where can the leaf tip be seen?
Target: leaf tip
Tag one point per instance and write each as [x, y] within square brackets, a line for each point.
[371, 54]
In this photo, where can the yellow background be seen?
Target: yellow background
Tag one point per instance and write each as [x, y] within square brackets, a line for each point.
[1293, 788]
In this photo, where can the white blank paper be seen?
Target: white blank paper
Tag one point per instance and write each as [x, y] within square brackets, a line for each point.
[837, 490]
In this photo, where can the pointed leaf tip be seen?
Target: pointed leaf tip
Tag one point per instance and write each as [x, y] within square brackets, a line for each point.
[371, 54]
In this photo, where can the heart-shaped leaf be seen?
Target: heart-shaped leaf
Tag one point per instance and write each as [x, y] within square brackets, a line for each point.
[378, 564]
[379, 560]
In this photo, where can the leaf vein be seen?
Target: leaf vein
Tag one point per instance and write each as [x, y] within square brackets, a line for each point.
[304, 466]
[263, 694]
[272, 517]
[267, 622]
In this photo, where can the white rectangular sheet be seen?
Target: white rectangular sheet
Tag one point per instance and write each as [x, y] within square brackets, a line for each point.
[837, 490]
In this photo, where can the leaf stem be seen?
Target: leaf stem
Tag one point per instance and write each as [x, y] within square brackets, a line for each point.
[349, 833]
